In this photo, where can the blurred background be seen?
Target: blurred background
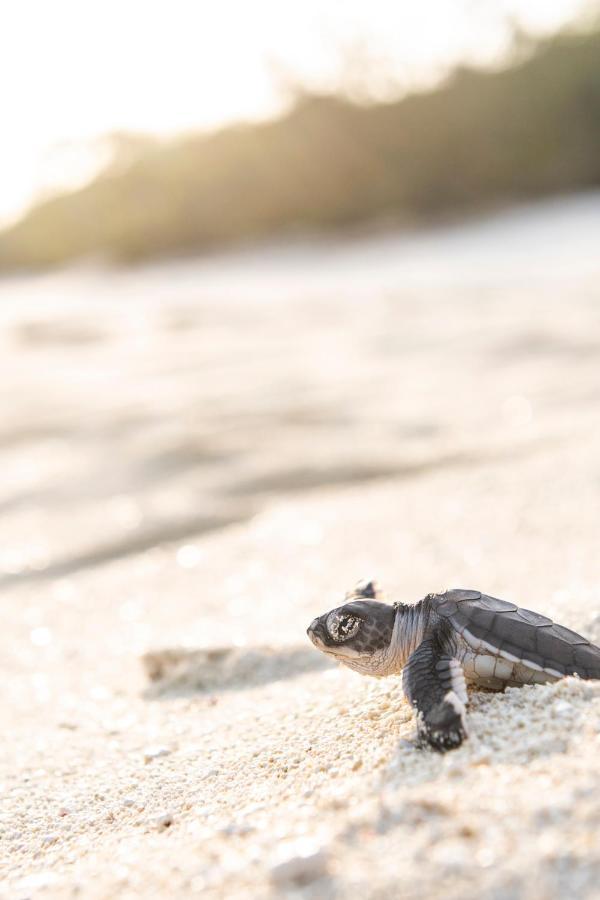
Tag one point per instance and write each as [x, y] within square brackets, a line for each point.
[255, 249]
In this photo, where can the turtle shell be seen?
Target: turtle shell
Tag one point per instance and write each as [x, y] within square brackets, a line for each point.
[493, 626]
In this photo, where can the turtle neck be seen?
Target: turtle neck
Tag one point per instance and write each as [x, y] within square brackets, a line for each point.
[409, 629]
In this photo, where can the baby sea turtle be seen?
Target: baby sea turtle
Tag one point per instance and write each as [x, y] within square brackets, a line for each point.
[446, 641]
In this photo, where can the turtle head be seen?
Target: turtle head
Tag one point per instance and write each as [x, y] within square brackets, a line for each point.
[358, 634]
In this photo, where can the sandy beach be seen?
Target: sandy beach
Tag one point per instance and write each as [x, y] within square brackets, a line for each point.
[198, 458]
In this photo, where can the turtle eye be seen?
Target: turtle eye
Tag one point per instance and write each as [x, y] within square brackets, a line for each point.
[342, 626]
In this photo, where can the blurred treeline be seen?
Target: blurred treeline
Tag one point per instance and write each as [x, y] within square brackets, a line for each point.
[481, 139]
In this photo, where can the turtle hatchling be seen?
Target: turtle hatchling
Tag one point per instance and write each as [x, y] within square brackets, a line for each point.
[448, 641]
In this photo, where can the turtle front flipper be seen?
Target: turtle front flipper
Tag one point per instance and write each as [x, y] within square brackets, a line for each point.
[434, 684]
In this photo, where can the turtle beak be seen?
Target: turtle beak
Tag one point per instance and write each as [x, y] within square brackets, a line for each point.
[315, 633]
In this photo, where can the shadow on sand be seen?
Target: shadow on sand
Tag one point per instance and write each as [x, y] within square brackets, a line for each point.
[177, 671]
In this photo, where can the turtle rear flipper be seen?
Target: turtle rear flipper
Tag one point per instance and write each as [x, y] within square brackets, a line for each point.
[365, 589]
[434, 684]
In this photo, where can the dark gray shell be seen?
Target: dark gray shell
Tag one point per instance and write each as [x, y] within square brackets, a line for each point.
[494, 626]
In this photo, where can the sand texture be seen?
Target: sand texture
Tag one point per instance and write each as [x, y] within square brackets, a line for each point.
[183, 493]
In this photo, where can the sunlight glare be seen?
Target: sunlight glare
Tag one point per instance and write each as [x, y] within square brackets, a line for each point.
[73, 72]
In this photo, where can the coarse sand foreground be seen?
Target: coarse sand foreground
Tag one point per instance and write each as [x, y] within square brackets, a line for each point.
[255, 772]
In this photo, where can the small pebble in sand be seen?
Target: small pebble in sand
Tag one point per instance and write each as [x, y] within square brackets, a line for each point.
[163, 820]
[68, 725]
[155, 753]
[49, 839]
[300, 870]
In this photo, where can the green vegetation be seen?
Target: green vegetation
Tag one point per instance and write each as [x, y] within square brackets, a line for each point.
[481, 139]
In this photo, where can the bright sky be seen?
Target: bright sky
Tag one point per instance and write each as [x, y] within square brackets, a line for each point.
[73, 70]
